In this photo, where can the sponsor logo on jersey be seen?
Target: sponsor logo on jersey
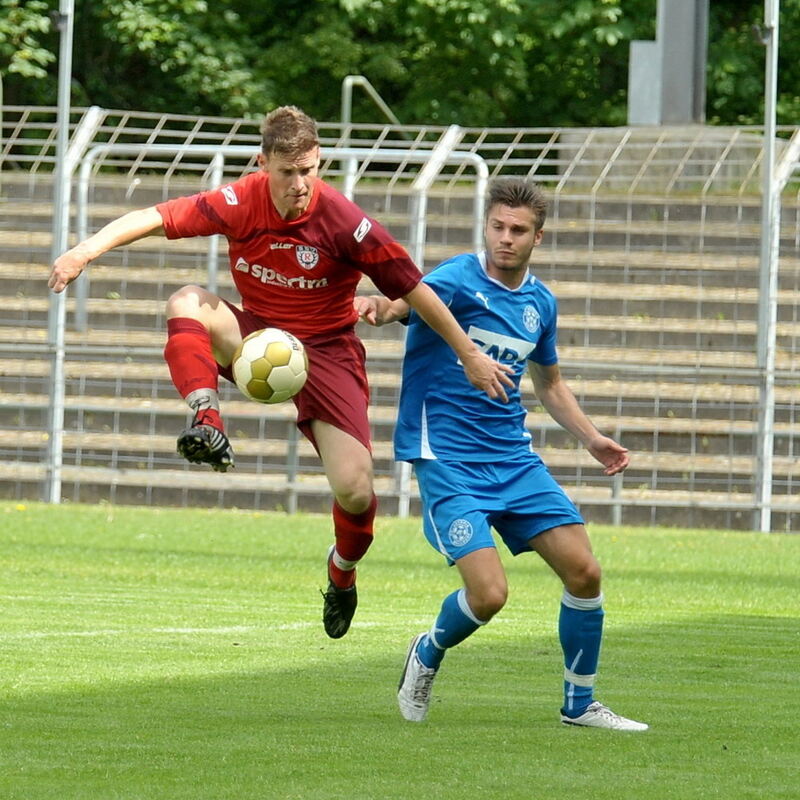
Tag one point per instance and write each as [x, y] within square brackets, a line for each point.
[281, 245]
[270, 276]
[460, 532]
[530, 319]
[502, 348]
[483, 298]
[230, 196]
[307, 256]
[362, 230]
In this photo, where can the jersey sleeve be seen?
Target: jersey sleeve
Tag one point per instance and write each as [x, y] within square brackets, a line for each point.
[445, 279]
[202, 214]
[371, 249]
[545, 351]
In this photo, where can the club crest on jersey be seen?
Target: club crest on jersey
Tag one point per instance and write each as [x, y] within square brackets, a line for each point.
[530, 319]
[307, 256]
[460, 532]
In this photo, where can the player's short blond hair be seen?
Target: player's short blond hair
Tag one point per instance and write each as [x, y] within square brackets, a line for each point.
[288, 131]
[516, 192]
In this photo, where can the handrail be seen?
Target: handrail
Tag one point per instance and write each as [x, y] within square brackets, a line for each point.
[348, 84]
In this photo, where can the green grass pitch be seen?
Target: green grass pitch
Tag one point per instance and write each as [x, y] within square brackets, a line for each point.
[176, 654]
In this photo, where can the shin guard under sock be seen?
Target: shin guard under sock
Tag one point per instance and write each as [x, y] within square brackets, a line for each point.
[193, 369]
[354, 535]
[580, 629]
[455, 622]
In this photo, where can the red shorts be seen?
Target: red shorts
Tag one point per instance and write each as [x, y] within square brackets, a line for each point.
[336, 391]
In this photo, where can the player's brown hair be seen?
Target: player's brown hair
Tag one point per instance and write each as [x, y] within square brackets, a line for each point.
[288, 131]
[515, 192]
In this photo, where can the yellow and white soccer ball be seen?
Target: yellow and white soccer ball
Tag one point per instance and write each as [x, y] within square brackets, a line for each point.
[270, 366]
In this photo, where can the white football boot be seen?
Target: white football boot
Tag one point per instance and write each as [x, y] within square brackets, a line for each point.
[599, 716]
[414, 692]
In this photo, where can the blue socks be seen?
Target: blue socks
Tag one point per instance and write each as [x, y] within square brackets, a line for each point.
[454, 623]
[580, 629]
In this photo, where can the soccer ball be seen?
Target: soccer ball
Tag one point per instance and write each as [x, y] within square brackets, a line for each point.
[270, 366]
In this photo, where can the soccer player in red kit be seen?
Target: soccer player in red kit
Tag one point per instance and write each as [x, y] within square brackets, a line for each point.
[297, 251]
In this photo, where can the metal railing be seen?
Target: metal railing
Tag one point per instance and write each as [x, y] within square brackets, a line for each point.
[432, 160]
[652, 247]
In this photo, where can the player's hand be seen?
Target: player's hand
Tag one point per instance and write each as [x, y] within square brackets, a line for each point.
[612, 455]
[488, 375]
[66, 268]
[367, 309]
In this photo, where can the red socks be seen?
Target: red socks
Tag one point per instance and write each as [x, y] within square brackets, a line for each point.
[191, 362]
[354, 534]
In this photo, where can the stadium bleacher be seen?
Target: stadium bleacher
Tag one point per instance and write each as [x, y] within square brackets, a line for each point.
[658, 304]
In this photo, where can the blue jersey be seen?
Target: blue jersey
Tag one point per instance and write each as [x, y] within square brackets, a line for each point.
[441, 415]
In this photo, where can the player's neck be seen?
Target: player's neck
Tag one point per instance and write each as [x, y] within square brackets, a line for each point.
[510, 278]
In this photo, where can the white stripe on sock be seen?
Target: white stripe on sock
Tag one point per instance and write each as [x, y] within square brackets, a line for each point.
[464, 606]
[581, 603]
[578, 680]
[432, 636]
[343, 565]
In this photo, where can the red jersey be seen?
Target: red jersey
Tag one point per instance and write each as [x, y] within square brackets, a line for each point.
[299, 274]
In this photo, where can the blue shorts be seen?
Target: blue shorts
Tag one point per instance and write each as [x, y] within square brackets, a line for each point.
[462, 502]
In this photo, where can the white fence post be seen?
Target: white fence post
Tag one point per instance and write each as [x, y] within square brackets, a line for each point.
[768, 282]
[57, 312]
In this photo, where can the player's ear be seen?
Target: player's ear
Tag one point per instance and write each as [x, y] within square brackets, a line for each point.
[262, 161]
[537, 239]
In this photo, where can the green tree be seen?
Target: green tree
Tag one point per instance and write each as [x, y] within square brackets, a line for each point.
[579, 76]
[181, 55]
[432, 61]
[736, 61]
[25, 52]
[474, 62]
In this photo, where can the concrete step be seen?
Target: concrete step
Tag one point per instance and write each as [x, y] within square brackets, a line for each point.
[310, 492]
[33, 338]
[113, 282]
[113, 370]
[112, 422]
[86, 445]
[641, 230]
[640, 329]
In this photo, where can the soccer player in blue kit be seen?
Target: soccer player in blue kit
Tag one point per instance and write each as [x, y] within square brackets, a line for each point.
[474, 462]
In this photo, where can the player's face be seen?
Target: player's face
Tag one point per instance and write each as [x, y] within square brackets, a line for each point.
[291, 180]
[511, 236]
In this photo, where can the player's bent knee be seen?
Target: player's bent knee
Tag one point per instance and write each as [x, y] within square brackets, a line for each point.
[585, 580]
[356, 498]
[185, 302]
[488, 602]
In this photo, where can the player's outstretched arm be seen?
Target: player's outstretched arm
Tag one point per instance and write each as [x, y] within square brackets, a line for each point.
[556, 396]
[483, 372]
[123, 230]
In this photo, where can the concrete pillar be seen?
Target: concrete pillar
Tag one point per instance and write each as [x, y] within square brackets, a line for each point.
[666, 78]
